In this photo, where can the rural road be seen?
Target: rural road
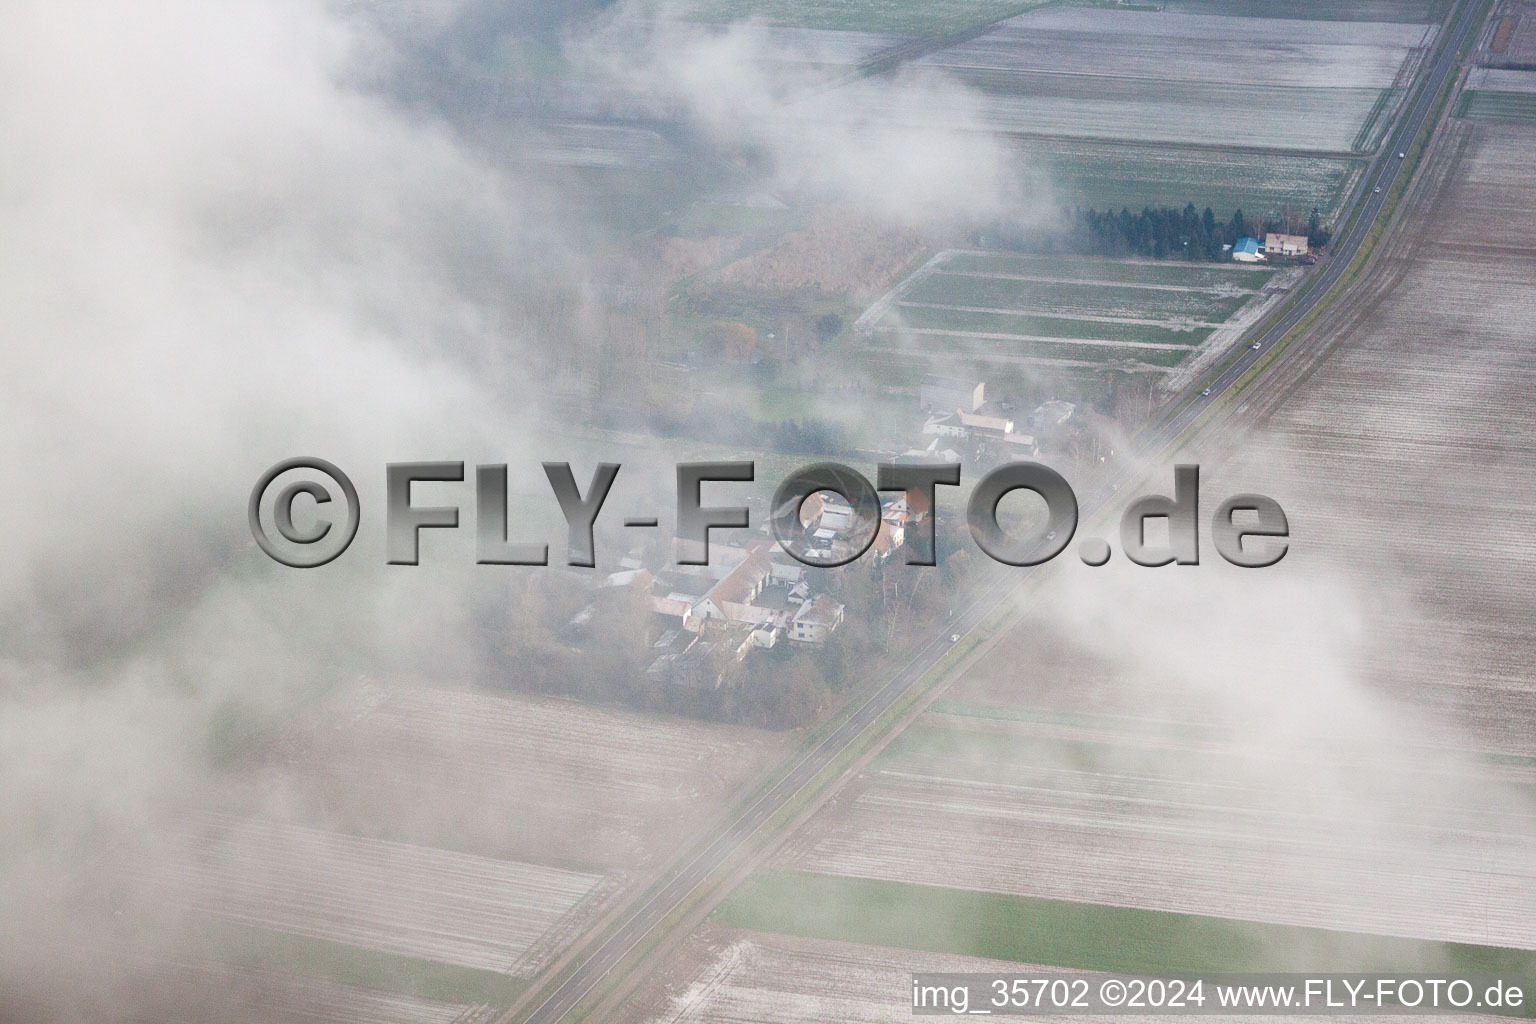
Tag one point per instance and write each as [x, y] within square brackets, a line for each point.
[676, 889]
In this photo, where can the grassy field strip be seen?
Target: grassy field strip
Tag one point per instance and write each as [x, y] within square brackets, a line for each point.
[1221, 290]
[1130, 320]
[1497, 106]
[936, 17]
[1413, 11]
[1074, 298]
[1049, 325]
[1120, 724]
[978, 363]
[1083, 936]
[257, 949]
[1102, 269]
[1097, 342]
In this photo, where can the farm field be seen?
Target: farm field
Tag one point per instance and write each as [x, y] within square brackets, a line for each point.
[1111, 176]
[1412, 11]
[831, 42]
[269, 998]
[911, 17]
[412, 901]
[1075, 935]
[1499, 94]
[733, 975]
[1014, 311]
[1190, 825]
[1166, 77]
[1424, 409]
[1174, 742]
[1135, 272]
[1159, 46]
[726, 975]
[553, 781]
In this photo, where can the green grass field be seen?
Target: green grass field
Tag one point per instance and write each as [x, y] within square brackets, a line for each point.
[1046, 327]
[993, 349]
[1408, 11]
[904, 17]
[1078, 268]
[1135, 316]
[260, 949]
[1079, 299]
[1081, 935]
[1500, 106]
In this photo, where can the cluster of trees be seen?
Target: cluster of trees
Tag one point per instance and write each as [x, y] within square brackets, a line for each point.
[531, 644]
[1160, 233]
[723, 422]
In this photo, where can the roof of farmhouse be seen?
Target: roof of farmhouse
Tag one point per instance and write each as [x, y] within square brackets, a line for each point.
[933, 380]
[1250, 245]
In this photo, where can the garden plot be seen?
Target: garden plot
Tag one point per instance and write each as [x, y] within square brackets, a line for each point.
[1171, 77]
[414, 901]
[1063, 310]
[1203, 830]
[529, 778]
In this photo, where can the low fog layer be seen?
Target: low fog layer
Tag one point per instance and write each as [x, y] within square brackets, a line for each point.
[241, 232]
[235, 234]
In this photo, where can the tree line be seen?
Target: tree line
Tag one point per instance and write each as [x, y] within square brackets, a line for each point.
[1155, 233]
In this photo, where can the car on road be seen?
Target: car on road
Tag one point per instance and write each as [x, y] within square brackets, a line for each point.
[1378, 188]
[954, 638]
[1401, 155]
[1254, 346]
[1206, 393]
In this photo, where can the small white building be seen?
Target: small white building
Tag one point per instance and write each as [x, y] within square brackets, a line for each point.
[1247, 251]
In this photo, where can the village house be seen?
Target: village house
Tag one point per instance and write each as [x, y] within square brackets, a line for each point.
[1285, 245]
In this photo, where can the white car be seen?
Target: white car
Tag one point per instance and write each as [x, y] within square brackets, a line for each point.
[1206, 393]
[1378, 188]
[954, 638]
[1401, 155]
[1254, 346]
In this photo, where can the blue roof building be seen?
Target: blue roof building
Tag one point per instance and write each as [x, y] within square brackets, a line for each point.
[1246, 250]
